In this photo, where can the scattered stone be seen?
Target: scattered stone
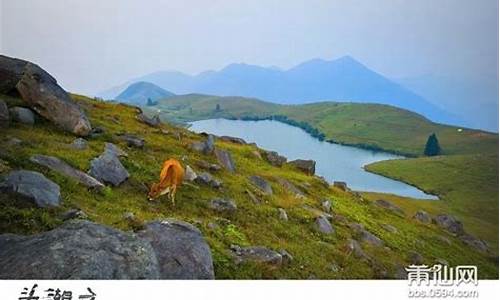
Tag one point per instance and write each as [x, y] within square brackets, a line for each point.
[316, 212]
[132, 140]
[63, 168]
[113, 149]
[4, 114]
[415, 258]
[261, 184]
[306, 166]
[206, 147]
[42, 93]
[189, 174]
[32, 187]
[326, 205]
[79, 144]
[232, 139]
[323, 225]
[129, 216]
[151, 121]
[223, 205]
[474, 242]
[77, 250]
[22, 115]
[389, 228]
[365, 236]
[208, 166]
[74, 214]
[289, 187]
[341, 185]
[181, 250]
[388, 205]
[283, 215]
[355, 248]
[287, 258]
[274, 158]
[107, 168]
[225, 160]
[207, 179]
[258, 254]
[422, 217]
[449, 223]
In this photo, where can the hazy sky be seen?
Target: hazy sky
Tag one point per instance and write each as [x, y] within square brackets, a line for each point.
[91, 45]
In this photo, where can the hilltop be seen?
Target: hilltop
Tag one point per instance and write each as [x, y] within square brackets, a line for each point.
[138, 93]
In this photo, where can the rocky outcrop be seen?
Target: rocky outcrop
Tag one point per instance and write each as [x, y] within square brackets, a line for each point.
[223, 205]
[108, 169]
[257, 254]
[42, 93]
[225, 160]
[206, 147]
[323, 225]
[31, 187]
[422, 217]
[181, 250]
[22, 115]
[81, 249]
[449, 223]
[262, 184]
[63, 168]
[151, 121]
[306, 166]
[274, 158]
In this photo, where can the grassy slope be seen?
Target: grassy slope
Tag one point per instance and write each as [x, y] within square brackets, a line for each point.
[251, 225]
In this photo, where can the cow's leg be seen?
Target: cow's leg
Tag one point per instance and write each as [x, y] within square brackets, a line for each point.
[172, 194]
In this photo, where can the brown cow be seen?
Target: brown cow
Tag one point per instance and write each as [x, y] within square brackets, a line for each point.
[171, 176]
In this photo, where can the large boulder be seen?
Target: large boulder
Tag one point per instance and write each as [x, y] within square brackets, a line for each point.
[77, 250]
[180, 248]
[22, 115]
[63, 168]
[205, 147]
[32, 187]
[304, 165]
[4, 114]
[274, 158]
[42, 93]
[262, 184]
[153, 121]
[225, 160]
[107, 168]
[449, 223]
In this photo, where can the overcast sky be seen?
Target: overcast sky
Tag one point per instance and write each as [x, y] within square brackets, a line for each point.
[91, 45]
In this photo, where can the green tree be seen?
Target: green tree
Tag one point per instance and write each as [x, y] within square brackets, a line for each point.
[432, 147]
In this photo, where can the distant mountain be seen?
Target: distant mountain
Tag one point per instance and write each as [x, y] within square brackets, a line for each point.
[138, 93]
[343, 79]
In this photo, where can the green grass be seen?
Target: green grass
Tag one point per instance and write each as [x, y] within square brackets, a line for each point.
[252, 224]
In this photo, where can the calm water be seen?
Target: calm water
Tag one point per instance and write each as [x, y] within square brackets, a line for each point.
[334, 162]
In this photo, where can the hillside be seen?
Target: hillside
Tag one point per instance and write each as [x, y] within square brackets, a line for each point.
[343, 79]
[369, 241]
[138, 93]
[366, 125]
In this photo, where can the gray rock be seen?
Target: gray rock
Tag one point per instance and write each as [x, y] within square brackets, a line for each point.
[389, 206]
[364, 235]
[132, 140]
[4, 114]
[323, 225]
[129, 216]
[208, 166]
[42, 93]
[115, 150]
[225, 160]
[107, 168]
[32, 187]
[77, 250]
[232, 139]
[282, 214]
[422, 217]
[181, 250]
[449, 223]
[287, 258]
[415, 258]
[206, 147]
[341, 185]
[258, 254]
[400, 272]
[261, 184]
[79, 144]
[274, 158]
[355, 248]
[223, 205]
[22, 115]
[151, 121]
[74, 214]
[207, 179]
[326, 205]
[290, 188]
[306, 166]
[474, 242]
[189, 174]
[389, 228]
[63, 168]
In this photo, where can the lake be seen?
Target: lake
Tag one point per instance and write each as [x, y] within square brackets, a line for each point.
[333, 161]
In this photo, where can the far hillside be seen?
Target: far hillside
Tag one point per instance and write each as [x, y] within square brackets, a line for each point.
[143, 93]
